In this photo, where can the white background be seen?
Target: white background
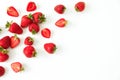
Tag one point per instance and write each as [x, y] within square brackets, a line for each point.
[88, 48]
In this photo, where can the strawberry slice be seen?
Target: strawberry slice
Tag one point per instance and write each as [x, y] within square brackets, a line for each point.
[11, 11]
[31, 6]
[61, 23]
[15, 41]
[46, 32]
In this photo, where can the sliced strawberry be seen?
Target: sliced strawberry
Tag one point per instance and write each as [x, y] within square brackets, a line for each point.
[34, 28]
[28, 40]
[5, 42]
[29, 51]
[2, 71]
[61, 23]
[50, 47]
[59, 8]
[46, 32]
[11, 11]
[17, 67]
[80, 6]
[15, 41]
[31, 6]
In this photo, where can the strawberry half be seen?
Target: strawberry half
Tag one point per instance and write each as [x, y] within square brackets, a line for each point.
[14, 27]
[38, 17]
[2, 71]
[61, 22]
[15, 41]
[5, 42]
[50, 47]
[28, 40]
[29, 51]
[17, 67]
[46, 32]
[34, 28]
[80, 6]
[31, 6]
[11, 11]
[59, 8]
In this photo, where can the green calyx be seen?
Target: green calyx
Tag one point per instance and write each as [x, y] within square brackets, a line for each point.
[5, 51]
[30, 16]
[8, 24]
[42, 18]
[34, 32]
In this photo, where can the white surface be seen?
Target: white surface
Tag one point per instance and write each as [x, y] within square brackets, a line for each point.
[88, 47]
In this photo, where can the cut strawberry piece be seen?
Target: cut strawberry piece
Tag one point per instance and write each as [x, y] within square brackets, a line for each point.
[31, 6]
[15, 41]
[11, 11]
[46, 32]
[2, 71]
[61, 23]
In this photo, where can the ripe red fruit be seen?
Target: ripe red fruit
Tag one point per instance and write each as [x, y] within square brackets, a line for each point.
[17, 67]
[11, 11]
[29, 51]
[2, 71]
[59, 8]
[26, 20]
[31, 6]
[80, 6]
[5, 42]
[38, 17]
[28, 41]
[34, 28]
[46, 32]
[61, 23]
[3, 55]
[14, 28]
[15, 41]
[50, 47]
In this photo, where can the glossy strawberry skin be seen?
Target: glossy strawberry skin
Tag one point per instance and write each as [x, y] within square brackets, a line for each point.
[5, 42]
[11, 11]
[46, 33]
[28, 41]
[29, 51]
[59, 8]
[80, 6]
[34, 28]
[16, 66]
[50, 47]
[2, 71]
[31, 6]
[15, 41]
[26, 21]
[61, 22]
[3, 56]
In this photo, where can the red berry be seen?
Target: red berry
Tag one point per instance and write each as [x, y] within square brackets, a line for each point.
[46, 32]
[2, 71]
[34, 28]
[28, 41]
[59, 8]
[50, 47]
[31, 6]
[15, 41]
[80, 6]
[11, 11]
[61, 23]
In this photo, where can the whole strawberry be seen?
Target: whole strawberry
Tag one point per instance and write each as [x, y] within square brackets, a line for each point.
[15, 41]
[50, 47]
[3, 55]
[38, 17]
[34, 28]
[29, 51]
[59, 8]
[17, 67]
[61, 22]
[26, 20]
[5, 42]
[14, 27]
[80, 6]
[2, 71]
[28, 40]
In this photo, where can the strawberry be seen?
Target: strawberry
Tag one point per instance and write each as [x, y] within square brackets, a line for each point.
[2, 71]
[14, 27]
[50, 47]
[26, 20]
[17, 67]
[59, 8]
[29, 51]
[15, 41]
[31, 6]
[46, 32]
[11, 11]
[5, 42]
[28, 41]
[38, 17]
[34, 28]
[61, 23]
[3, 55]
[79, 6]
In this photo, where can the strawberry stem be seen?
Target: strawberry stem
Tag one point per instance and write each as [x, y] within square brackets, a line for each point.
[30, 16]
[42, 18]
